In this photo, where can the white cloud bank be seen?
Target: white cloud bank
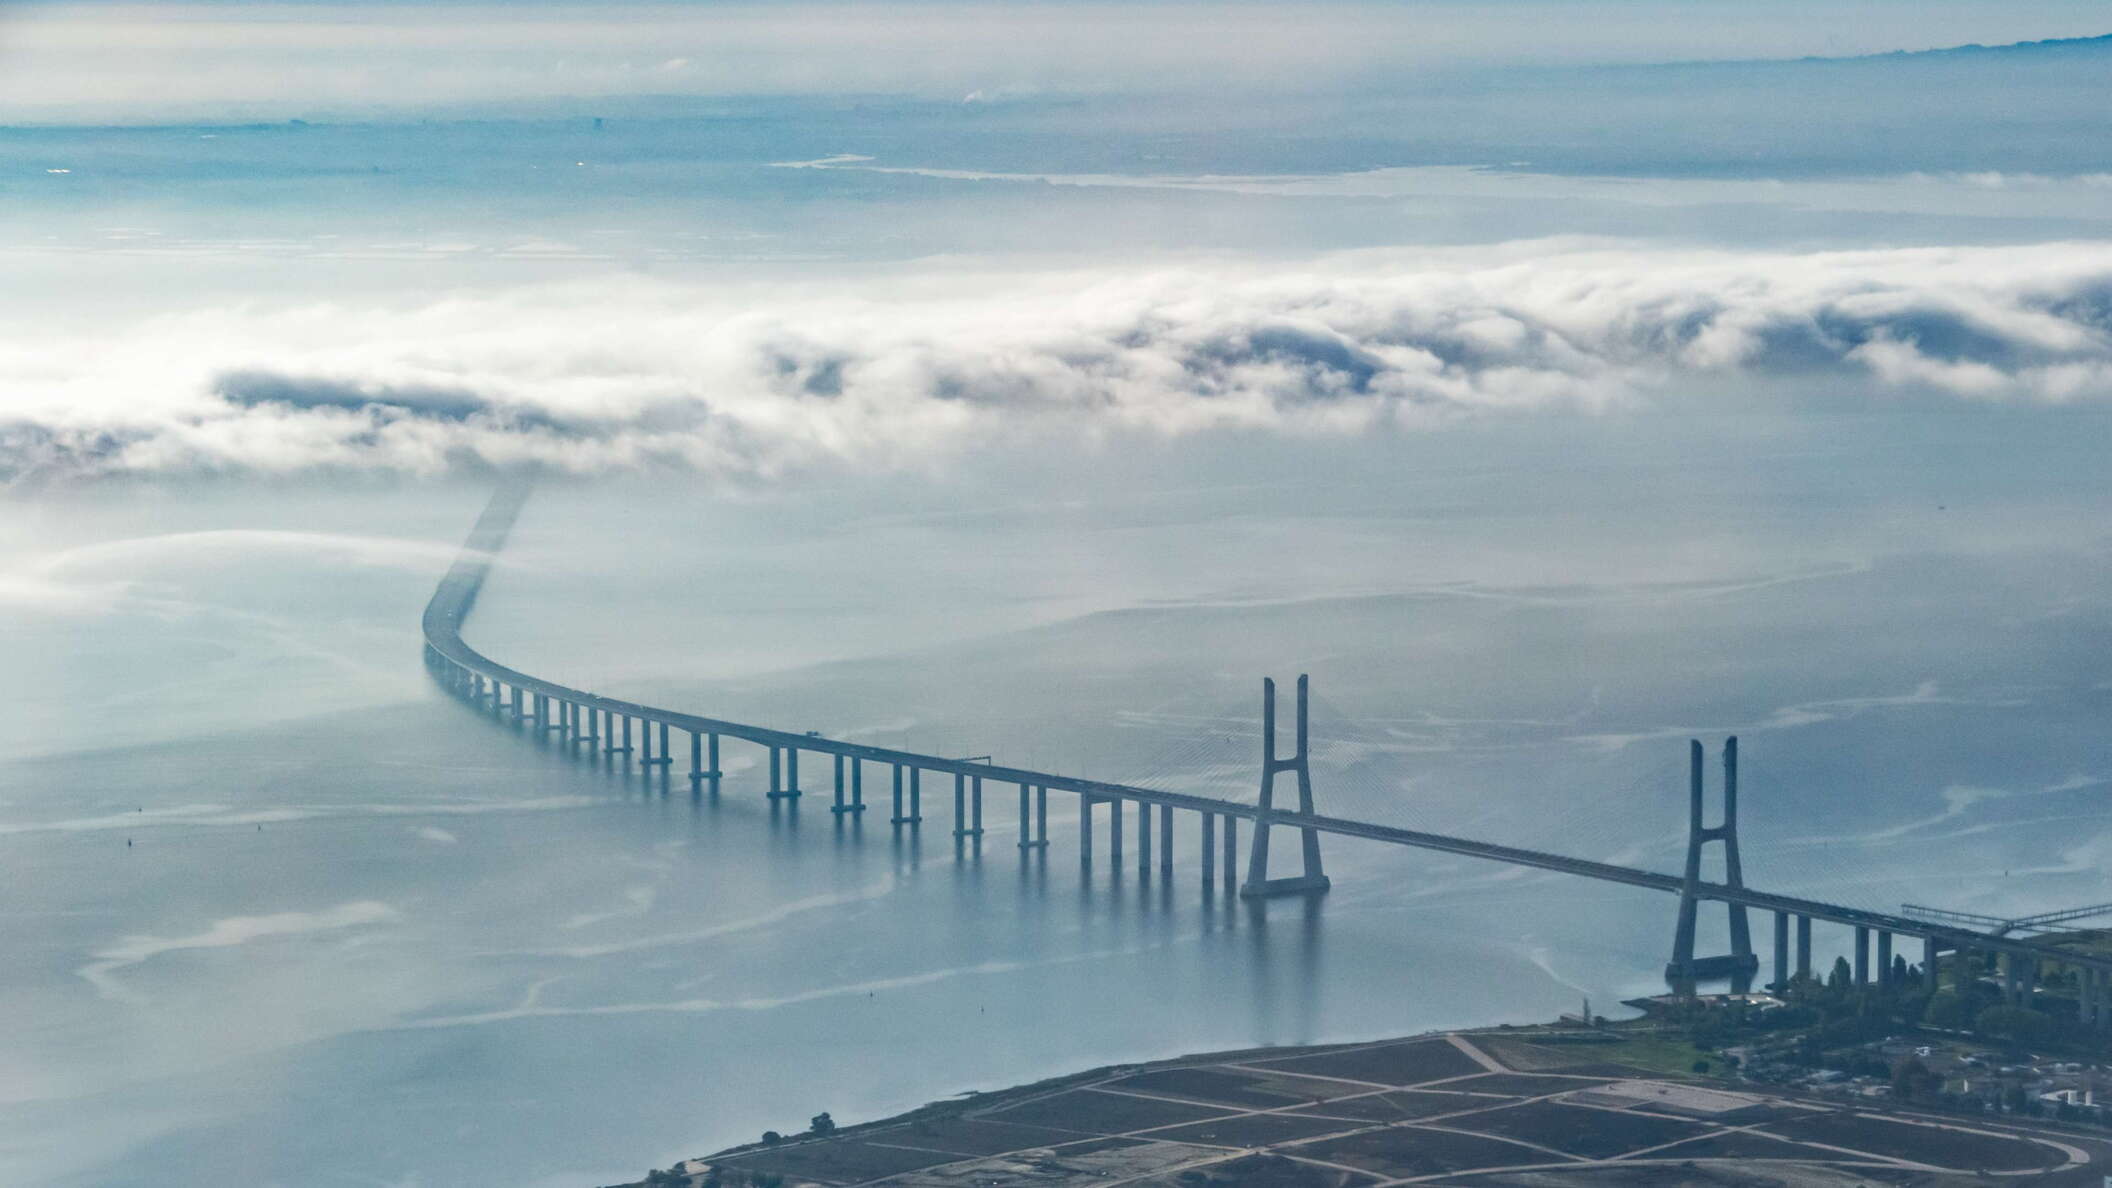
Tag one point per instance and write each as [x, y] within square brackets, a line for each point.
[629, 373]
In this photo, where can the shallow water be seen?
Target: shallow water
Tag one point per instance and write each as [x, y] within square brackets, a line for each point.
[361, 934]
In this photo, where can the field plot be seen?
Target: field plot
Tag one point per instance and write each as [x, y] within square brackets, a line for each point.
[1409, 1063]
[838, 1163]
[1260, 1171]
[1091, 1111]
[1578, 1130]
[1401, 1105]
[1945, 1145]
[1254, 1130]
[973, 1136]
[1236, 1087]
[1523, 1084]
[1740, 1144]
[1412, 1151]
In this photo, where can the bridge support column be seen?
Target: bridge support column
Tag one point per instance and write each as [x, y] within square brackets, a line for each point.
[777, 773]
[1929, 974]
[645, 743]
[625, 749]
[664, 757]
[1884, 958]
[711, 761]
[1041, 814]
[1862, 955]
[1143, 840]
[1803, 946]
[1085, 830]
[1166, 840]
[1209, 850]
[836, 803]
[791, 789]
[593, 735]
[1230, 873]
[1314, 880]
[916, 795]
[1026, 817]
[1685, 970]
[1114, 834]
[895, 817]
[856, 804]
[515, 698]
[967, 806]
[1781, 981]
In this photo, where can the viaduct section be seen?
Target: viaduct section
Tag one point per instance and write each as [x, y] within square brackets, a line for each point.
[646, 735]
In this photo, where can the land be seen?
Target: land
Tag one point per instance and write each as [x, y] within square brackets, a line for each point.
[1580, 1104]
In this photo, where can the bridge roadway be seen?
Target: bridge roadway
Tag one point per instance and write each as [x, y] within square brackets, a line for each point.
[456, 597]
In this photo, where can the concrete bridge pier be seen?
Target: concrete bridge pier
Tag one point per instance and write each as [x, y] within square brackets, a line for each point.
[776, 772]
[1114, 834]
[1884, 958]
[791, 789]
[857, 804]
[915, 811]
[1209, 851]
[1862, 955]
[1143, 840]
[1803, 946]
[916, 795]
[1027, 838]
[515, 702]
[553, 716]
[967, 810]
[1781, 981]
[592, 735]
[661, 757]
[1928, 963]
[1085, 831]
[1230, 866]
[1166, 841]
[625, 749]
[837, 788]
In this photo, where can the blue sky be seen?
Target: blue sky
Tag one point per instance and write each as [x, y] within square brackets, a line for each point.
[189, 60]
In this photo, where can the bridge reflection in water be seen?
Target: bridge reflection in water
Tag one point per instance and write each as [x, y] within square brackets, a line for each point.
[632, 733]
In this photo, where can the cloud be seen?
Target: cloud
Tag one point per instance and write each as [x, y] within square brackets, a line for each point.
[628, 373]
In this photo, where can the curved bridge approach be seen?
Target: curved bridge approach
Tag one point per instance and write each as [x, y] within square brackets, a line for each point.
[643, 733]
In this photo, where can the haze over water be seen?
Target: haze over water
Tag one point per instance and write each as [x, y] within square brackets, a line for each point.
[995, 405]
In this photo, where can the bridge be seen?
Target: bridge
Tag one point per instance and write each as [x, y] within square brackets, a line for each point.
[614, 727]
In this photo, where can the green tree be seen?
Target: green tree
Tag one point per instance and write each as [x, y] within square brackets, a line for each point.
[2019, 1024]
[823, 1124]
[1842, 977]
[1947, 1009]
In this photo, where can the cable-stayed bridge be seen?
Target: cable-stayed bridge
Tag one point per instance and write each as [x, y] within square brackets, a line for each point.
[646, 734]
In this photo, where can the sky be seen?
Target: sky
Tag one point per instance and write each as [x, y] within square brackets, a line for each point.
[134, 62]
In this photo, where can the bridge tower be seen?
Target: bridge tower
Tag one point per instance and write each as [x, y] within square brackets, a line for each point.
[1314, 881]
[1739, 964]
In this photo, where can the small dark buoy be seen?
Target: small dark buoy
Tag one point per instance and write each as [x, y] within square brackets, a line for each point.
[128, 843]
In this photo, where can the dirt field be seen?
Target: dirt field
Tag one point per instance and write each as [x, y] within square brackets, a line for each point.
[1429, 1107]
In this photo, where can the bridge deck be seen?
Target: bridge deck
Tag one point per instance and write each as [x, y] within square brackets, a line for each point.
[452, 602]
